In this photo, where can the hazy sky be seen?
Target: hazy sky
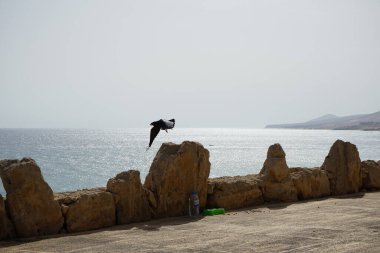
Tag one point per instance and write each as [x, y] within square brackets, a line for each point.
[206, 63]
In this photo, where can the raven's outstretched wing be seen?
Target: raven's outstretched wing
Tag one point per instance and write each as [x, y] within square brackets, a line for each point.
[153, 133]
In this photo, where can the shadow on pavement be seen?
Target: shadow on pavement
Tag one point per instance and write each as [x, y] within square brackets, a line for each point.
[283, 205]
[151, 225]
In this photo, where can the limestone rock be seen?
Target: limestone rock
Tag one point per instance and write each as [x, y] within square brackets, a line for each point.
[152, 200]
[283, 191]
[370, 175]
[275, 168]
[276, 184]
[176, 171]
[310, 183]
[30, 202]
[276, 151]
[132, 204]
[342, 166]
[87, 209]
[5, 163]
[6, 226]
[210, 186]
[234, 192]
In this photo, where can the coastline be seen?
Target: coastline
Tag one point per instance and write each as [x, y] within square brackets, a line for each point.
[71, 159]
[176, 171]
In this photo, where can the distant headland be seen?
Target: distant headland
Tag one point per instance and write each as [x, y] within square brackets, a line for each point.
[367, 122]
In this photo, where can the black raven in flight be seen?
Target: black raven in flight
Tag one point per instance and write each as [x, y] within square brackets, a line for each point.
[160, 125]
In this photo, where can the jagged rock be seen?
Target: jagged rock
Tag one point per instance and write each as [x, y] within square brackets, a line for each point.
[370, 175]
[6, 227]
[132, 200]
[87, 209]
[276, 184]
[275, 151]
[30, 202]
[176, 171]
[310, 183]
[5, 163]
[234, 192]
[275, 168]
[342, 166]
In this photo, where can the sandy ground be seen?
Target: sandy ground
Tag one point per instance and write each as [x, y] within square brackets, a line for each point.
[342, 224]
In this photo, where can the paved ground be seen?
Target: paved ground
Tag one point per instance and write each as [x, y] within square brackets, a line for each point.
[347, 224]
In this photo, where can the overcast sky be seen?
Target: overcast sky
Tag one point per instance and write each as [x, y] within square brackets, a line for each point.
[105, 64]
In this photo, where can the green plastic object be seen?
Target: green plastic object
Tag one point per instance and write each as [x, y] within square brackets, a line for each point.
[214, 211]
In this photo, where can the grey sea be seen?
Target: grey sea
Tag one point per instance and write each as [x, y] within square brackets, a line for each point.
[72, 159]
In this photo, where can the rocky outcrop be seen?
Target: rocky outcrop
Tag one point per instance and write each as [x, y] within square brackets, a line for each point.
[6, 226]
[370, 171]
[176, 171]
[30, 209]
[131, 198]
[277, 184]
[30, 202]
[87, 209]
[310, 183]
[234, 192]
[275, 168]
[342, 166]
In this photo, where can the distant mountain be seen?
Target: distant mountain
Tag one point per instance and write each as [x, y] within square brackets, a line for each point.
[324, 117]
[354, 122]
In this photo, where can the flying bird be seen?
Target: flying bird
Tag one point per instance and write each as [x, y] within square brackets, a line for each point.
[160, 125]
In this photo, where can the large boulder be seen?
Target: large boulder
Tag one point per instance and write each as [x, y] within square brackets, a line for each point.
[342, 166]
[276, 184]
[131, 198]
[6, 226]
[275, 168]
[370, 175]
[176, 171]
[234, 192]
[29, 200]
[310, 183]
[87, 209]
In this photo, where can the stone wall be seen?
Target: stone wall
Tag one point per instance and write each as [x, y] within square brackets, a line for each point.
[87, 209]
[234, 192]
[341, 173]
[370, 172]
[131, 198]
[310, 183]
[31, 209]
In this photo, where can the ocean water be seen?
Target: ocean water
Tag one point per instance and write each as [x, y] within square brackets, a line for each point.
[73, 159]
